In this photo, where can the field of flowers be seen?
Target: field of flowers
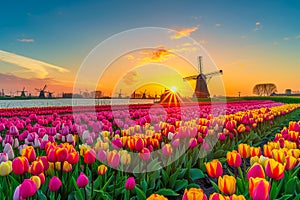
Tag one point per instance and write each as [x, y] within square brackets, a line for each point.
[239, 150]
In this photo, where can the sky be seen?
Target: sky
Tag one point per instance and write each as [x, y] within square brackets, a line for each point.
[50, 42]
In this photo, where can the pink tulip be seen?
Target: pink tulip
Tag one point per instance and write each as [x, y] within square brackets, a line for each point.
[82, 180]
[27, 188]
[130, 183]
[54, 184]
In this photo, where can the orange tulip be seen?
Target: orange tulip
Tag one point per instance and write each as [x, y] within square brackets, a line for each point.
[244, 150]
[227, 184]
[237, 197]
[214, 168]
[102, 170]
[194, 194]
[279, 155]
[291, 162]
[259, 189]
[29, 153]
[268, 151]
[156, 197]
[255, 151]
[234, 158]
[274, 169]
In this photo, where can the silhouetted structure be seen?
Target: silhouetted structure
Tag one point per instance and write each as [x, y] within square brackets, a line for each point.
[201, 90]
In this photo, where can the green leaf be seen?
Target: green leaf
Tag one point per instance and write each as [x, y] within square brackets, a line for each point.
[41, 195]
[240, 185]
[215, 186]
[173, 178]
[164, 177]
[285, 197]
[180, 184]
[193, 185]
[167, 192]
[77, 189]
[196, 174]
[290, 186]
[144, 185]
[141, 195]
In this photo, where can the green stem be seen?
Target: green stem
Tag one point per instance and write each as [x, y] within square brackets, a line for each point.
[92, 186]
[85, 195]
[115, 182]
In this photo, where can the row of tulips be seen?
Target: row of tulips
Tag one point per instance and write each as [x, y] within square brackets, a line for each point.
[56, 151]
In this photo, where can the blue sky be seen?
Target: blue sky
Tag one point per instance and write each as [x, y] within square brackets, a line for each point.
[245, 37]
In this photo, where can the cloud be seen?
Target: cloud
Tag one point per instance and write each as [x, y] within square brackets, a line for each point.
[39, 68]
[275, 43]
[258, 26]
[286, 38]
[218, 25]
[181, 32]
[131, 78]
[26, 40]
[197, 17]
[129, 57]
[297, 37]
[158, 55]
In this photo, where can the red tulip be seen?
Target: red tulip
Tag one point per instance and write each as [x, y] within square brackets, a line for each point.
[214, 168]
[20, 165]
[37, 167]
[90, 157]
[61, 154]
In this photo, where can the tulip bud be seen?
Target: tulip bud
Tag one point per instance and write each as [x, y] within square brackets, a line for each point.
[259, 189]
[37, 181]
[20, 165]
[113, 158]
[5, 168]
[255, 171]
[234, 158]
[144, 154]
[291, 162]
[8, 149]
[244, 150]
[102, 170]
[156, 197]
[214, 168]
[54, 184]
[130, 183]
[274, 169]
[82, 180]
[194, 193]
[167, 149]
[227, 184]
[27, 188]
[37, 167]
[90, 157]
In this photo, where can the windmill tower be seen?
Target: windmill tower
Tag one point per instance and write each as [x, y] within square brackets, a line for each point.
[42, 92]
[201, 90]
[22, 92]
[120, 94]
[144, 95]
[50, 94]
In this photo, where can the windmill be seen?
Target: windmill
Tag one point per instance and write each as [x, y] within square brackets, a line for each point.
[42, 92]
[22, 92]
[201, 90]
[144, 94]
[50, 94]
[120, 94]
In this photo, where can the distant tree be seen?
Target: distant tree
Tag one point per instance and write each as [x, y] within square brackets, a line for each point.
[264, 89]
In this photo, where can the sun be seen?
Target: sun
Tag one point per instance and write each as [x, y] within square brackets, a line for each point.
[173, 88]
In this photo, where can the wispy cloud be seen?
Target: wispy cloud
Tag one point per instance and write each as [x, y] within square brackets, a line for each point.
[197, 17]
[181, 32]
[131, 78]
[297, 37]
[286, 38]
[258, 26]
[129, 57]
[158, 55]
[218, 25]
[26, 40]
[39, 68]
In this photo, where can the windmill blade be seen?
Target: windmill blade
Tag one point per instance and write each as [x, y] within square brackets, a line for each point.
[45, 87]
[190, 77]
[200, 64]
[209, 75]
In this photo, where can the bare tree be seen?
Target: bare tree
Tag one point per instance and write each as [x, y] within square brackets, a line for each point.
[264, 89]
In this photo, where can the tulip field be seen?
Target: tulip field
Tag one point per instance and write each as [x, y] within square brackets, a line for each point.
[239, 150]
